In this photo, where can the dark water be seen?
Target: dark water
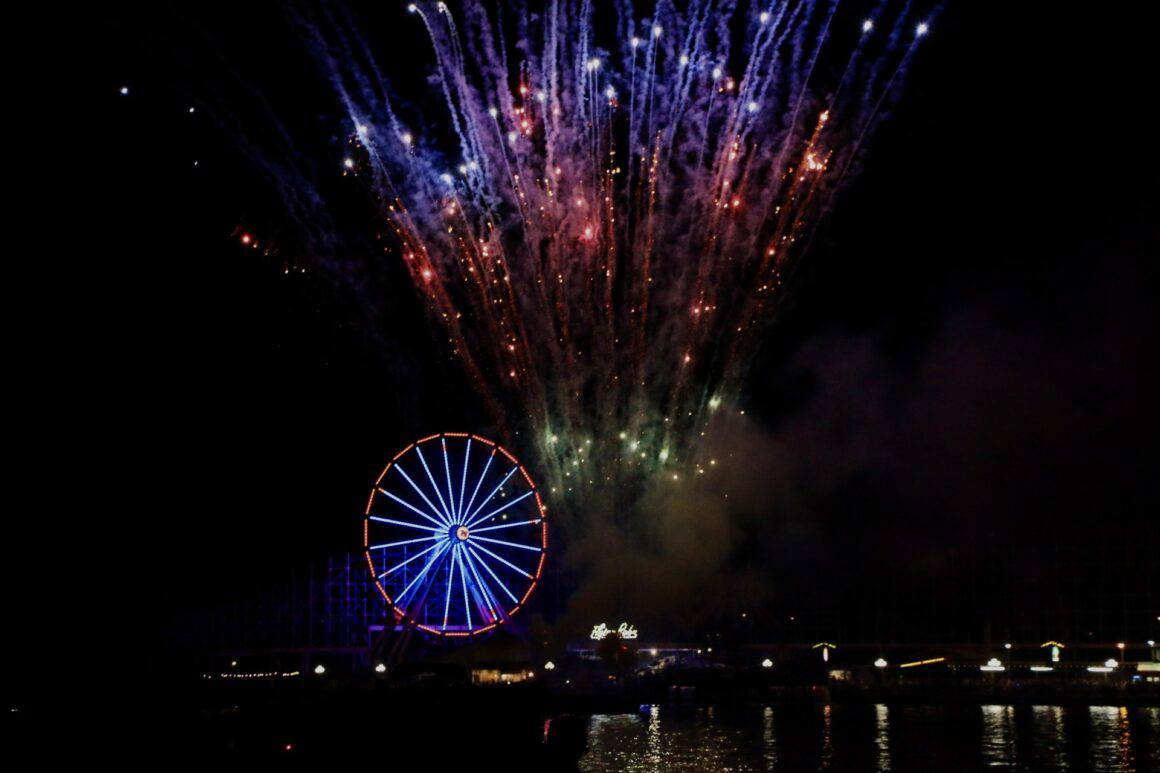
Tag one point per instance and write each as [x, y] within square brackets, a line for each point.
[875, 737]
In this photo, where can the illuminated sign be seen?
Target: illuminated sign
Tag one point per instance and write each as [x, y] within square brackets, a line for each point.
[625, 631]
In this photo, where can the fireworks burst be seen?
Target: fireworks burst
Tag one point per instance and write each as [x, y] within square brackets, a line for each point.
[607, 216]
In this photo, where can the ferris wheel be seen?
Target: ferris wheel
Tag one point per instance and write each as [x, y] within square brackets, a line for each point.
[455, 534]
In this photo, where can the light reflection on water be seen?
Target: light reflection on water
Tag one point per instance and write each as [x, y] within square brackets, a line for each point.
[769, 756]
[1049, 735]
[1111, 739]
[874, 737]
[998, 743]
[882, 737]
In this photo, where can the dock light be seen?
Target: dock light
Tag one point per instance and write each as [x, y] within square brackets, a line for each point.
[994, 664]
[1099, 669]
[380, 668]
[1041, 669]
[1110, 663]
[233, 664]
[767, 663]
[320, 669]
[1007, 646]
[549, 666]
[880, 663]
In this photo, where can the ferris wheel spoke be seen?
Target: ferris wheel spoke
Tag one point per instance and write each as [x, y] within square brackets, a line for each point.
[511, 525]
[422, 573]
[500, 509]
[463, 580]
[493, 493]
[418, 491]
[503, 560]
[380, 519]
[447, 600]
[405, 542]
[411, 507]
[478, 482]
[463, 480]
[486, 568]
[435, 540]
[484, 590]
[511, 544]
[434, 485]
[417, 556]
[447, 474]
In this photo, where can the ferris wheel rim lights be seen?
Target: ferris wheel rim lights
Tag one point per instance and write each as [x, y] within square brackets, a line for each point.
[444, 526]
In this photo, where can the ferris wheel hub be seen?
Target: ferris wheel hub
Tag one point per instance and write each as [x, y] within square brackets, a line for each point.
[461, 533]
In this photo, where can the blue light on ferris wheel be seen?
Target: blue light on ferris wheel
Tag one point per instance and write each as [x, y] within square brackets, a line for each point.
[450, 583]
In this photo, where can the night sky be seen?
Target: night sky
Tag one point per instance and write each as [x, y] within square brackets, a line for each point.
[952, 418]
